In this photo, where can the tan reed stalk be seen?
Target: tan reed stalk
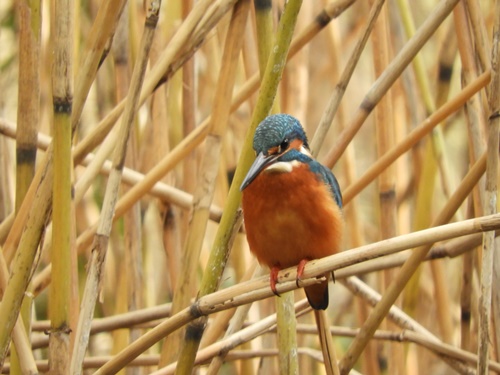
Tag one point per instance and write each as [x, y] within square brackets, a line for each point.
[99, 247]
[393, 71]
[385, 140]
[481, 41]
[264, 27]
[244, 335]
[466, 295]
[129, 295]
[257, 289]
[447, 56]
[25, 361]
[338, 93]
[435, 157]
[410, 266]
[101, 33]
[415, 135]
[490, 207]
[203, 194]
[62, 270]
[450, 250]
[28, 114]
[474, 110]
[188, 118]
[455, 357]
[370, 364]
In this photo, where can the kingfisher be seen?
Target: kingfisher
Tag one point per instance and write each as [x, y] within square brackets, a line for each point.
[292, 204]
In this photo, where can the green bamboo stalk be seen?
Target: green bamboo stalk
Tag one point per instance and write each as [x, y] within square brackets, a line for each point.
[220, 249]
[409, 268]
[490, 206]
[99, 247]
[203, 195]
[60, 296]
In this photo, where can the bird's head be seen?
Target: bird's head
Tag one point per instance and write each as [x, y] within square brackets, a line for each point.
[276, 137]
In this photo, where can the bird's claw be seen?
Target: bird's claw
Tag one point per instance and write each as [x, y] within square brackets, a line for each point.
[274, 280]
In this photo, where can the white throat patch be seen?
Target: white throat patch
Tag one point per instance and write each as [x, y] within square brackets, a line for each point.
[282, 167]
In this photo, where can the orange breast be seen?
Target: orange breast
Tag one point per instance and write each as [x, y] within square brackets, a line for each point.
[290, 217]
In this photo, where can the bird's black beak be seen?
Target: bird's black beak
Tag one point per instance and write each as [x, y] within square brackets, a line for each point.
[261, 162]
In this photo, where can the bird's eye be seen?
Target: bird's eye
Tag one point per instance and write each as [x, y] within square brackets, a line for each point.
[284, 145]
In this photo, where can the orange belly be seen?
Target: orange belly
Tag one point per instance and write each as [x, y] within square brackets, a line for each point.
[290, 217]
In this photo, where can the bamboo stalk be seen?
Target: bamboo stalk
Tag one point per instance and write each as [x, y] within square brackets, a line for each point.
[60, 296]
[490, 206]
[94, 277]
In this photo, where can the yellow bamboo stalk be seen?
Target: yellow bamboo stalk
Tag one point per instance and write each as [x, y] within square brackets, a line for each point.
[60, 296]
[99, 247]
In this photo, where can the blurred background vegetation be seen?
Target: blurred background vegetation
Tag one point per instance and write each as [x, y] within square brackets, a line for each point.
[68, 65]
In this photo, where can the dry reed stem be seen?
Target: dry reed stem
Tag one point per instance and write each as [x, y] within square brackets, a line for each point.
[409, 268]
[412, 330]
[236, 339]
[490, 205]
[340, 87]
[96, 264]
[386, 80]
[415, 135]
[258, 289]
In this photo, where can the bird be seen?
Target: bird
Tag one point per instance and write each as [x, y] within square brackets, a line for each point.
[292, 204]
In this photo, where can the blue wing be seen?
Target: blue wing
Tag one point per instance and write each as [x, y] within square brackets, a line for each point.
[322, 172]
[328, 178]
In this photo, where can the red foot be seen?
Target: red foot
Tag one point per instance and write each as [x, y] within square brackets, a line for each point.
[274, 279]
[300, 270]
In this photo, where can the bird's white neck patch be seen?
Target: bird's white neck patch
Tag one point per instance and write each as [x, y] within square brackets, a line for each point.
[282, 167]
